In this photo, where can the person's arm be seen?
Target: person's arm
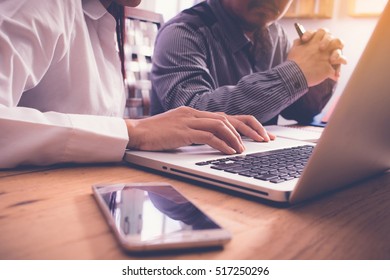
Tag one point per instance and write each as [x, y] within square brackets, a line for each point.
[181, 76]
[29, 136]
[311, 104]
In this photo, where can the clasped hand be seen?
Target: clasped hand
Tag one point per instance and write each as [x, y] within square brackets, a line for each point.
[319, 55]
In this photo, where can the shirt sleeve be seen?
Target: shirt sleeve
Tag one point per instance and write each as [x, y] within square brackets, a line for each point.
[30, 137]
[311, 104]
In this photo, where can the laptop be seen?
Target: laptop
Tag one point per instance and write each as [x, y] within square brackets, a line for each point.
[353, 146]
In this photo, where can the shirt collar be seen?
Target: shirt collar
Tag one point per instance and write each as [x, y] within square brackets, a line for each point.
[94, 9]
[232, 30]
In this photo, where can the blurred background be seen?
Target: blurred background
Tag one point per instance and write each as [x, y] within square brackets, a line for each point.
[351, 20]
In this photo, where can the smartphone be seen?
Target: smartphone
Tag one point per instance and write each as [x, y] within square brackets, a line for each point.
[155, 216]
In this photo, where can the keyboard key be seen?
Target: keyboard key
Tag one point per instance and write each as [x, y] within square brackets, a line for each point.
[266, 177]
[277, 181]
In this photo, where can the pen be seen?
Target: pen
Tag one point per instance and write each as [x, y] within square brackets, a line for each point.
[300, 29]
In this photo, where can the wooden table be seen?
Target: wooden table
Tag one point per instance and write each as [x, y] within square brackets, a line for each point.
[50, 213]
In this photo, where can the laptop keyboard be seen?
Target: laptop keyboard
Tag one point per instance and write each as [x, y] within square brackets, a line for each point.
[274, 166]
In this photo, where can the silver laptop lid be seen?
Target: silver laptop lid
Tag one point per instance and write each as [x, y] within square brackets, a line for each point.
[356, 142]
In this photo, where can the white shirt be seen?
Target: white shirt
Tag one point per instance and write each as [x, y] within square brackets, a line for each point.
[61, 90]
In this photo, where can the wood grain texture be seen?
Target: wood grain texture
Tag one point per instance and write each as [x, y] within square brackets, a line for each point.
[50, 213]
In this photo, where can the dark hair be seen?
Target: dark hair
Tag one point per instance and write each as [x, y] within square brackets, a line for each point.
[118, 13]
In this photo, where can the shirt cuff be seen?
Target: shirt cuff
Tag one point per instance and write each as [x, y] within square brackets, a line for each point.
[293, 78]
[96, 139]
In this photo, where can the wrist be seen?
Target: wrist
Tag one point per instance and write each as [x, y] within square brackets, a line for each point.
[131, 125]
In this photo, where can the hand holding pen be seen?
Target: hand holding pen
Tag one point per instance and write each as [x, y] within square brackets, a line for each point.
[328, 42]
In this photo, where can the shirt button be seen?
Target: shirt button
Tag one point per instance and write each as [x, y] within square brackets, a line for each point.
[297, 85]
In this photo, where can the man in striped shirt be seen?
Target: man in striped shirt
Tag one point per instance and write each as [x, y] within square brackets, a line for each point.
[232, 56]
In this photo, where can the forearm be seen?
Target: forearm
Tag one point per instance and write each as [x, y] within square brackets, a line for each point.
[34, 138]
[263, 95]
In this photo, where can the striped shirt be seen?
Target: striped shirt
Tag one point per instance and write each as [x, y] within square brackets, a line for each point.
[202, 59]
